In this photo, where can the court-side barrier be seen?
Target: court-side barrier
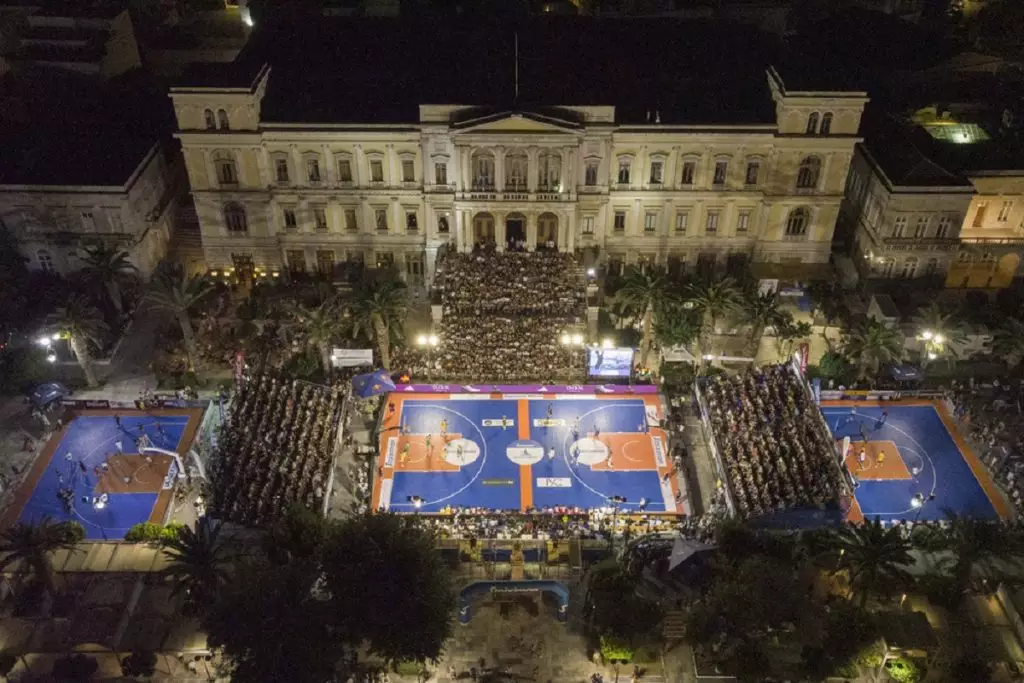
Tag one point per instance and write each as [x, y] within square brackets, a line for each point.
[879, 395]
[169, 401]
[709, 439]
[484, 389]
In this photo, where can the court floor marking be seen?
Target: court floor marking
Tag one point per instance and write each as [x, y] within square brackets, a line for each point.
[935, 473]
[572, 471]
[483, 458]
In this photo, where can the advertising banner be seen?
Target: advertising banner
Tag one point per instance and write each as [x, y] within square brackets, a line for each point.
[603, 362]
[540, 389]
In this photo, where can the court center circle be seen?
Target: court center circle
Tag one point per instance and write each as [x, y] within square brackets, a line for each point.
[461, 452]
[590, 451]
[525, 452]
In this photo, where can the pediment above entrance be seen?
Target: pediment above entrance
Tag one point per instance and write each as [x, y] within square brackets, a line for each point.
[517, 122]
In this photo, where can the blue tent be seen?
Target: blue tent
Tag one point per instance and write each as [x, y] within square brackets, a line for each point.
[372, 383]
[45, 394]
[905, 373]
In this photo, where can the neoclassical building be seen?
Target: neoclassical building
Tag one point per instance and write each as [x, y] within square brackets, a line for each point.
[276, 190]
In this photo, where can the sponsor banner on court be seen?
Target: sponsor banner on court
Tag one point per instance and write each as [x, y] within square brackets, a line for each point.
[659, 452]
[389, 456]
[499, 423]
[526, 397]
[71, 403]
[554, 483]
[497, 482]
[545, 422]
[545, 389]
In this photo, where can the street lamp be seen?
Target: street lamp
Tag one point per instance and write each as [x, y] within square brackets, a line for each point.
[616, 501]
[918, 502]
[428, 342]
[607, 343]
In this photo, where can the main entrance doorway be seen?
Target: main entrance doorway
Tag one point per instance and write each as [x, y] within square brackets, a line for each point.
[515, 232]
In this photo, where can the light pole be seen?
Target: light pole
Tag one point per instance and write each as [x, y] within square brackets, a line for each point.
[918, 502]
[428, 342]
[571, 341]
[934, 345]
[616, 501]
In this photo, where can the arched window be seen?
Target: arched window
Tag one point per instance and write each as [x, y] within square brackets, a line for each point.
[45, 261]
[234, 218]
[515, 171]
[826, 124]
[483, 171]
[550, 171]
[812, 124]
[932, 268]
[753, 171]
[807, 176]
[796, 222]
[222, 120]
[888, 265]
[910, 267]
[211, 123]
[227, 173]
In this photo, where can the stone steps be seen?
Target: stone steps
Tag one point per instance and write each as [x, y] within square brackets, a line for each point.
[673, 626]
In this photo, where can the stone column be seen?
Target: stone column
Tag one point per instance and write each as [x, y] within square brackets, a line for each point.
[466, 168]
[211, 169]
[499, 169]
[357, 163]
[570, 231]
[564, 176]
[400, 265]
[328, 171]
[429, 264]
[389, 152]
[532, 170]
[263, 164]
[531, 230]
[297, 170]
[499, 229]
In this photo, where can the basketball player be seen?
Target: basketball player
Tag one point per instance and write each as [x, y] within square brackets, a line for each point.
[611, 456]
[428, 443]
[880, 458]
[504, 423]
[862, 457]
[404, 456]
[444, 428]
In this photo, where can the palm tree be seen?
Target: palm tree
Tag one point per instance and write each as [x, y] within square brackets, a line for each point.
[870, 344]
[973, 541]
[81, 323]
[875, 557]
[827, 299]
[942, 331]
[33, 544]
[321, 326]
[379, 311]
[762, 310]
[1008, 341]
[712, 299]
[110, 267]
[198, 563]
[648, 294]
[173, 293]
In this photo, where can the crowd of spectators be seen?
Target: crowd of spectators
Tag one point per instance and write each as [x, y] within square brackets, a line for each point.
[772, 442]
[503, 316]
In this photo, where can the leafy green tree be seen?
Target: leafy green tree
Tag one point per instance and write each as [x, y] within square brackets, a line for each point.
[81, 323]
[678, 327]
[13, 277]
[647, 293]
[198, 564]
[109, 267]
[971, 542]
[834, 366]
[875, 558]
[870, 344]
[828, 300]
[713, 300]
[848, 631]
[33, 545]
[1008, 341]
[321, 326]
[379, 311]
[614, 609]
[787, 332]
[942, 330]
[171, 292]
[760, 311]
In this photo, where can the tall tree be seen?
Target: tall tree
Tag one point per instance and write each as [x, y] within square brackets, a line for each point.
[1008, 341]
[33, 544]
[171, 292]
[110, 267]
[198, 564]
[81, 323]
[320, 327]
[827, 299]
[942, 331]
[647, 293]
[761, 311]
[13, 276]
[787, 332]
[875, 558]
[870, 344]
[712, 300]
[379, 311]
[972, 541]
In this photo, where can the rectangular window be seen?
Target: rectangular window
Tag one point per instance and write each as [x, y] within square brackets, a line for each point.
[325, 262]
[313, 170]
[650, 222]
[344, 171]
[281, 170]
[979, 216]
[1004, 212]
[408, 171]
[590, 175]
[921, 227]
[351, 225]
[443, 224]
[376, 171]
[711, 223]
[623, 172]
[899, 226]
[320, 218]
[116, 224]
[721, 168]
[753, 168]
[743, 222]
[385, 259]
[411, 224]
[226, 173]
[380, 219]
[290, 222]
[440, 173]
[588, 225]
[942, 230]
[414, 265]
[88, 221]
[296, 260]
[620, 221]
[657, 170]
[682, 220]
[689, 172]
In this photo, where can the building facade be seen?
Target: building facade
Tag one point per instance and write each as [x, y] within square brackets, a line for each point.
[54, 223]
[298, 196]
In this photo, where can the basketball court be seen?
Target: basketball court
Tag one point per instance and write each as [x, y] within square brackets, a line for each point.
[913, 453]
[523, 451]
[91, 471]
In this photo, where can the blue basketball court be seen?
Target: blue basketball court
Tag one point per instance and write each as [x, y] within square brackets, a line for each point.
[912, 453]
[94, 455]
[522, 452]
